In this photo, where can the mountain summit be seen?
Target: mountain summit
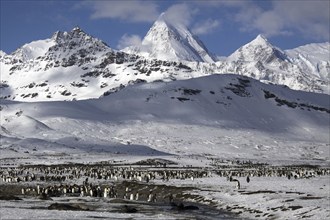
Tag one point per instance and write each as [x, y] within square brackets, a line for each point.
[59, 44]
[167, 40]
[259, 49]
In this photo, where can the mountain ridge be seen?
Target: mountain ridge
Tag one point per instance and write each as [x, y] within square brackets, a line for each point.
[74, 65]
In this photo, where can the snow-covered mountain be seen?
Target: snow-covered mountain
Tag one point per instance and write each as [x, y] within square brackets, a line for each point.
[259, 50]
[74, 65]
[263, 61]
[167, 40]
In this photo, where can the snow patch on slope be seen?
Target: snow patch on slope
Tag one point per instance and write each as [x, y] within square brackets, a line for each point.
[33, 50]
[313, 58]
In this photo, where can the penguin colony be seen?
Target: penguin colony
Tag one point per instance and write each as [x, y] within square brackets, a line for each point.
[93, 181]
[248, 169]
[103, 180]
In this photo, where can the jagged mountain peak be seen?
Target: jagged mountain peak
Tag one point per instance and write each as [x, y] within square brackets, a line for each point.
[169, 40]
[259, 49]
[164, 29]
[165, 20]
[261, 40]
[77, 29]
[56, 35]
[76, 34]
[60, 41]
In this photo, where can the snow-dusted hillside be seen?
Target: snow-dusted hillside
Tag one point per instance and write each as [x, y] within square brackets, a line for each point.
[167, 40]
[219, 115]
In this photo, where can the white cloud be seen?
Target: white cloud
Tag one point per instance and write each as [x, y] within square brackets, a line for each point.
[131, 11]
[269, 23]
[180, 14]
[186, 14]
[309, 18]
[205, 27]
[247, 15]
[129, 40]
[229, 3]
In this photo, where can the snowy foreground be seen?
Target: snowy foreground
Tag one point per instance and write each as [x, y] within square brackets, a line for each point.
[264, 197]
[214, 124]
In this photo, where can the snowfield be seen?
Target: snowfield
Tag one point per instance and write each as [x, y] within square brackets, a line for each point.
[205, 123]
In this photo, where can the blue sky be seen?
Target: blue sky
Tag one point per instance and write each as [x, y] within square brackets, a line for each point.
[223, 26]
